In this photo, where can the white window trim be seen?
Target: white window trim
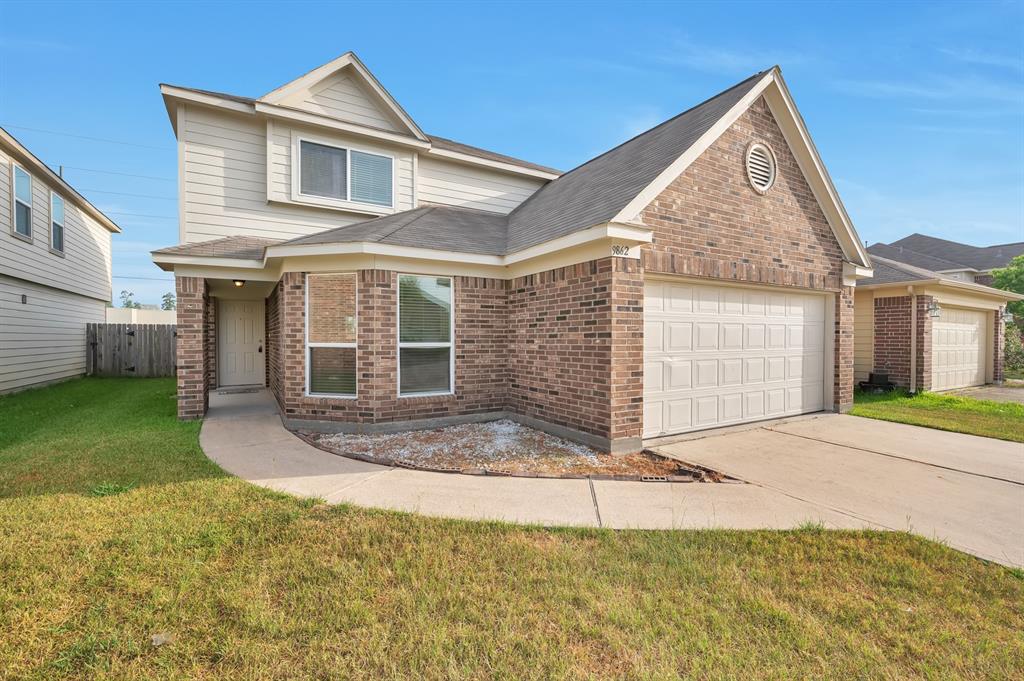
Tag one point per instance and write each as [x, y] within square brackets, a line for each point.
[325, 201]
[62, 223]
[15, 201]
[309, 354]
[450, 344]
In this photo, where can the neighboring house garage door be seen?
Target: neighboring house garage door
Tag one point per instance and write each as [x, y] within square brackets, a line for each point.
[717, 355]
[959, 343]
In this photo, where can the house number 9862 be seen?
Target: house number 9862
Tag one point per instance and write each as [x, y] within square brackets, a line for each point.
[618, 249]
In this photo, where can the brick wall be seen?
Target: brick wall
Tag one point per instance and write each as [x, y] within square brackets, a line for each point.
[481, 353]
[273, 327]
[924, 343]
[984, 279]
[842, 377]
[998, 346]
[892, 338]
[192, 346]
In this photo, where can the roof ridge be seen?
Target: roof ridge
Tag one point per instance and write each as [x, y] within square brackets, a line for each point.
[649, 130]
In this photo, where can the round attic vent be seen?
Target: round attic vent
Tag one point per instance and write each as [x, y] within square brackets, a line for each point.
[760, 164]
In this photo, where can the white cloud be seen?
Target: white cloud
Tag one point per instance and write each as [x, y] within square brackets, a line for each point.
[715, 59]
[971, 56]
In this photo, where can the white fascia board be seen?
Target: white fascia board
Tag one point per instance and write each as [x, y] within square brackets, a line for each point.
[617, 232]
[783, 108]
[234, 263]
[313, 77]
[207, 99]
[308, 118]
[979, 289]
[660, 183]
[35, 164]
[852, 272]
[608, 230]
[488, 163]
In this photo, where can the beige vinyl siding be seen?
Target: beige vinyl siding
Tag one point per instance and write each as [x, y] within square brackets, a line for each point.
[456, 184]
[863, 334]
[226, 185]
[42, 340]
[281, 135]
[85, 265]
[341, 97]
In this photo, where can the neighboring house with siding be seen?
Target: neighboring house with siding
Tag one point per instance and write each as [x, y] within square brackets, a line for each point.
[950, 258]
[54, 271]
[377, 277]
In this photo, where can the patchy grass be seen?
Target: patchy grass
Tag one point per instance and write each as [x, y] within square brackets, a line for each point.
[237, 582]
[1001, 420]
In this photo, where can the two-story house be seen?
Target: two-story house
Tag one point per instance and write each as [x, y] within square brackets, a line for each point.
[377, 277]
[54, 271]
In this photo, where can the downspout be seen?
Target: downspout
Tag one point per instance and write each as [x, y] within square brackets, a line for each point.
[913, 340]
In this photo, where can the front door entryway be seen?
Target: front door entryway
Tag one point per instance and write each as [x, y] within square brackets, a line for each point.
[240, 347]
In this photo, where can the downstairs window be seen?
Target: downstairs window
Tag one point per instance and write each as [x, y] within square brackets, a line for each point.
[331, 334]
[425, 362]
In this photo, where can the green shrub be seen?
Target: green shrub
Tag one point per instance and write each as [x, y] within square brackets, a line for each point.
[1013, 349]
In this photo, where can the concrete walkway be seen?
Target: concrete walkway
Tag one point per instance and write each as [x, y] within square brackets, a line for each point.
[1011, 392]
[839, 471]
[243, 434]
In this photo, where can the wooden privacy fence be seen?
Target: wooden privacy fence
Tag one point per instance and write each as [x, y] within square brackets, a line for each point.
[130, 349]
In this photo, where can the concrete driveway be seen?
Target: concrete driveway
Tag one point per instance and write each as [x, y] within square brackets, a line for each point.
[1011, 392]
[963, 490]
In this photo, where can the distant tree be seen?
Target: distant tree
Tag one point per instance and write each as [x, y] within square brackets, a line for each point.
[128, 300]
[168, 302]
[1011, 278]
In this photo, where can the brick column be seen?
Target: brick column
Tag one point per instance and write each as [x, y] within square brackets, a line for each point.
[842, 376]
[627, 355]
[924, 344]
[291, 308]
[191, 347]
[892, 338]
[998, 345]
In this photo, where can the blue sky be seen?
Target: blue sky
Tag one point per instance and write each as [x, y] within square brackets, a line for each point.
[917, 109]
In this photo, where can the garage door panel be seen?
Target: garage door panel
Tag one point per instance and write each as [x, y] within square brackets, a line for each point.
[654, 336]
[959, 348]
[727, 355]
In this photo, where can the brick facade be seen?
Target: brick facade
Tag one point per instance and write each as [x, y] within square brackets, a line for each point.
[565, 346]
[893, 321]
[998, 346]
[193, 346]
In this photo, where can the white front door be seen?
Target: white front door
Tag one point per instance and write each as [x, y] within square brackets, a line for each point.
[240, 345]
[959, 344]
[719, 355]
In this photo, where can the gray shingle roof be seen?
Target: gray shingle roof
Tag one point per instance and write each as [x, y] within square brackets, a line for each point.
[888, 271]
[237, 247]
[596, 191]
[905, 255]
[437, 227]
[975, 257]
[439, 142]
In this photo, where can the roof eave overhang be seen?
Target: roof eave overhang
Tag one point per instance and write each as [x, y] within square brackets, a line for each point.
[937, 282]
[776, 94]
[27, 158]
[497, 165]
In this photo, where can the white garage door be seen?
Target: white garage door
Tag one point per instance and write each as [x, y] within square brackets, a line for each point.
[716, 355]
[959, 342]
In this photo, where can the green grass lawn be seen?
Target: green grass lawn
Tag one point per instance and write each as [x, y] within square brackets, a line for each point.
[114, 528]
[946, 412]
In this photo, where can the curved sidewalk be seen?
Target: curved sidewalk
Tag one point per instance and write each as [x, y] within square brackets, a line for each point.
[243, 434]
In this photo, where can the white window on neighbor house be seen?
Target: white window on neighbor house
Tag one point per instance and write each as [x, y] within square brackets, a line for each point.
[345, 174]
[331, 334]
[22, 208]
[56, 223]
[426, 363]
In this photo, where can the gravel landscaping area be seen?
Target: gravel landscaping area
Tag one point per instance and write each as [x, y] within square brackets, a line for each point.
[496, 446]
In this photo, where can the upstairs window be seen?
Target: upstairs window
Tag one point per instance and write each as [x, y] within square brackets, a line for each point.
[345, 174]
[425, 332]
[331, 334]
[56, 223]
[22, 202]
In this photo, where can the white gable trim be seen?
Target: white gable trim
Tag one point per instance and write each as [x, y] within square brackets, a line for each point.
[774, 90]
[330, 68]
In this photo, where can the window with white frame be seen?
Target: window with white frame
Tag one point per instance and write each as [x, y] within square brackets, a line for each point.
[425, 350]
[345, 174]
[56, 222]
[331, 334]
[22, 201]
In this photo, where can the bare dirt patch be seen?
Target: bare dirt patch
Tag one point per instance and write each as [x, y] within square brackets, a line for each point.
[504, 447]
